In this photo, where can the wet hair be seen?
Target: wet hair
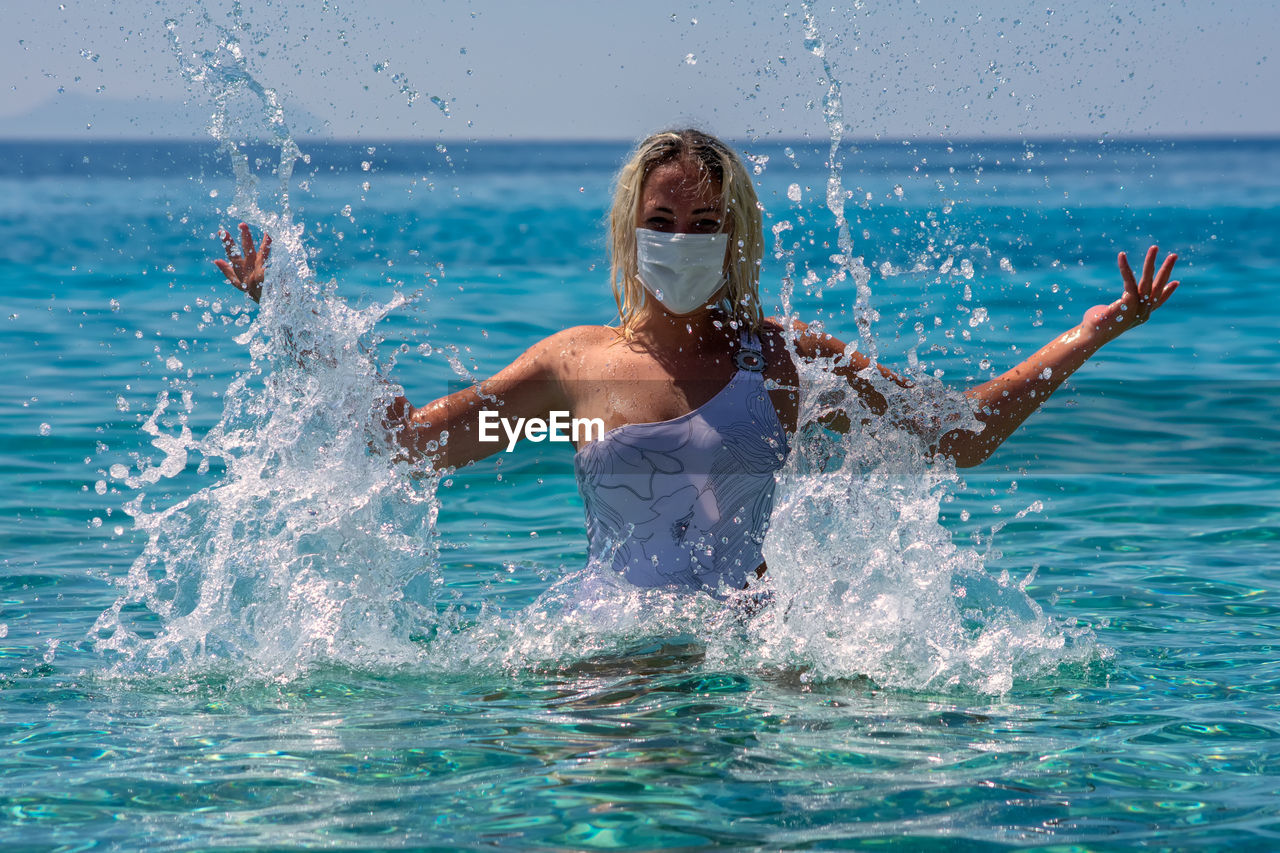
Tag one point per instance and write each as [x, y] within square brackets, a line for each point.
[742, 221]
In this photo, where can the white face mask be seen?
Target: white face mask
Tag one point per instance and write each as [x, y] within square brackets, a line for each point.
[682, 271]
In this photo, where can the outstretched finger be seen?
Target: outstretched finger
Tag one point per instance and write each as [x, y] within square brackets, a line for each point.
[266, 249]
[1168, 291]
[1148, 272]
[229, 272]
[228, 244]
[246, 240]
[1126, 272]
[1166, 270]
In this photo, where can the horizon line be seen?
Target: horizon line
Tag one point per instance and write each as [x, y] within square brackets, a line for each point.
[883, 139]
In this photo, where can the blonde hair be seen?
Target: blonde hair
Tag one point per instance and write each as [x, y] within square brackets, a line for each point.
[742, 216]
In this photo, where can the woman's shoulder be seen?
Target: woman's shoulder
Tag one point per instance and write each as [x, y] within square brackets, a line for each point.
[811, 340]
[778, 333]
[572, 345]
[560, 355]
[576, 337]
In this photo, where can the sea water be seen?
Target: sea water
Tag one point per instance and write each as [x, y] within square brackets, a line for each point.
[232, 617]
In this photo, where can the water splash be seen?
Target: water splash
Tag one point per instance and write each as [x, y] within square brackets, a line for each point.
[869, 582]
[865, 579]
[846, 265]
[300, 553]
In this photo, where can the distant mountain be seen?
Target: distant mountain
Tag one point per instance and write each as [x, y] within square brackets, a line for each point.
[78, 116]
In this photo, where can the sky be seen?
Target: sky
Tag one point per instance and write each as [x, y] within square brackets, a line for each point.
[607, 69]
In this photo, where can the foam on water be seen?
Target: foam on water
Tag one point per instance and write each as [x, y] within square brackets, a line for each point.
[306, 548]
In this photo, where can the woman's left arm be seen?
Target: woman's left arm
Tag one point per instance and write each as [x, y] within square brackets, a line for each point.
[1006, 401]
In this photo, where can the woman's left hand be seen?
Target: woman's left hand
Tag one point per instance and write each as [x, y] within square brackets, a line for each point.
[1140, 298]
[247, 270]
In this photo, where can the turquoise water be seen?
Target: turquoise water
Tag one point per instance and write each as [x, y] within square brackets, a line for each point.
[266, 634]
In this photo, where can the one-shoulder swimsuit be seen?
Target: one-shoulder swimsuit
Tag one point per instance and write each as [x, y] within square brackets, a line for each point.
[686, 502]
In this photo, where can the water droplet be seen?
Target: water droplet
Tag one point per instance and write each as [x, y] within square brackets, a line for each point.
[45, 429]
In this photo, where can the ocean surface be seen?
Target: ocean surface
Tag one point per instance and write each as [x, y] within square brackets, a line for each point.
[230, 619]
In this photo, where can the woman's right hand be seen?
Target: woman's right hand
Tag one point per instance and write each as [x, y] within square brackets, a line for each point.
[248, 269]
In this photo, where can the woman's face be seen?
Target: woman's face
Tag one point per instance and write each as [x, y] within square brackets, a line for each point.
[677, 198]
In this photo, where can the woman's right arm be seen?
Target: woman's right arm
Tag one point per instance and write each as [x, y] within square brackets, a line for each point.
[449, 431]
[446, 431]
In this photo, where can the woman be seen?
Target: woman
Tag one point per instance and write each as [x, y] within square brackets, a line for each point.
[694, 389]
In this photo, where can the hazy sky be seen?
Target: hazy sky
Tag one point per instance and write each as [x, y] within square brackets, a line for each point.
[610, 69]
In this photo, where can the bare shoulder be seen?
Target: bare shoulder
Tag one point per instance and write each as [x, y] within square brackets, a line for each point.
[585, 336]
[811, 341]
[816, 342]
[574, 341]
[560, 353]
[773, 338]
